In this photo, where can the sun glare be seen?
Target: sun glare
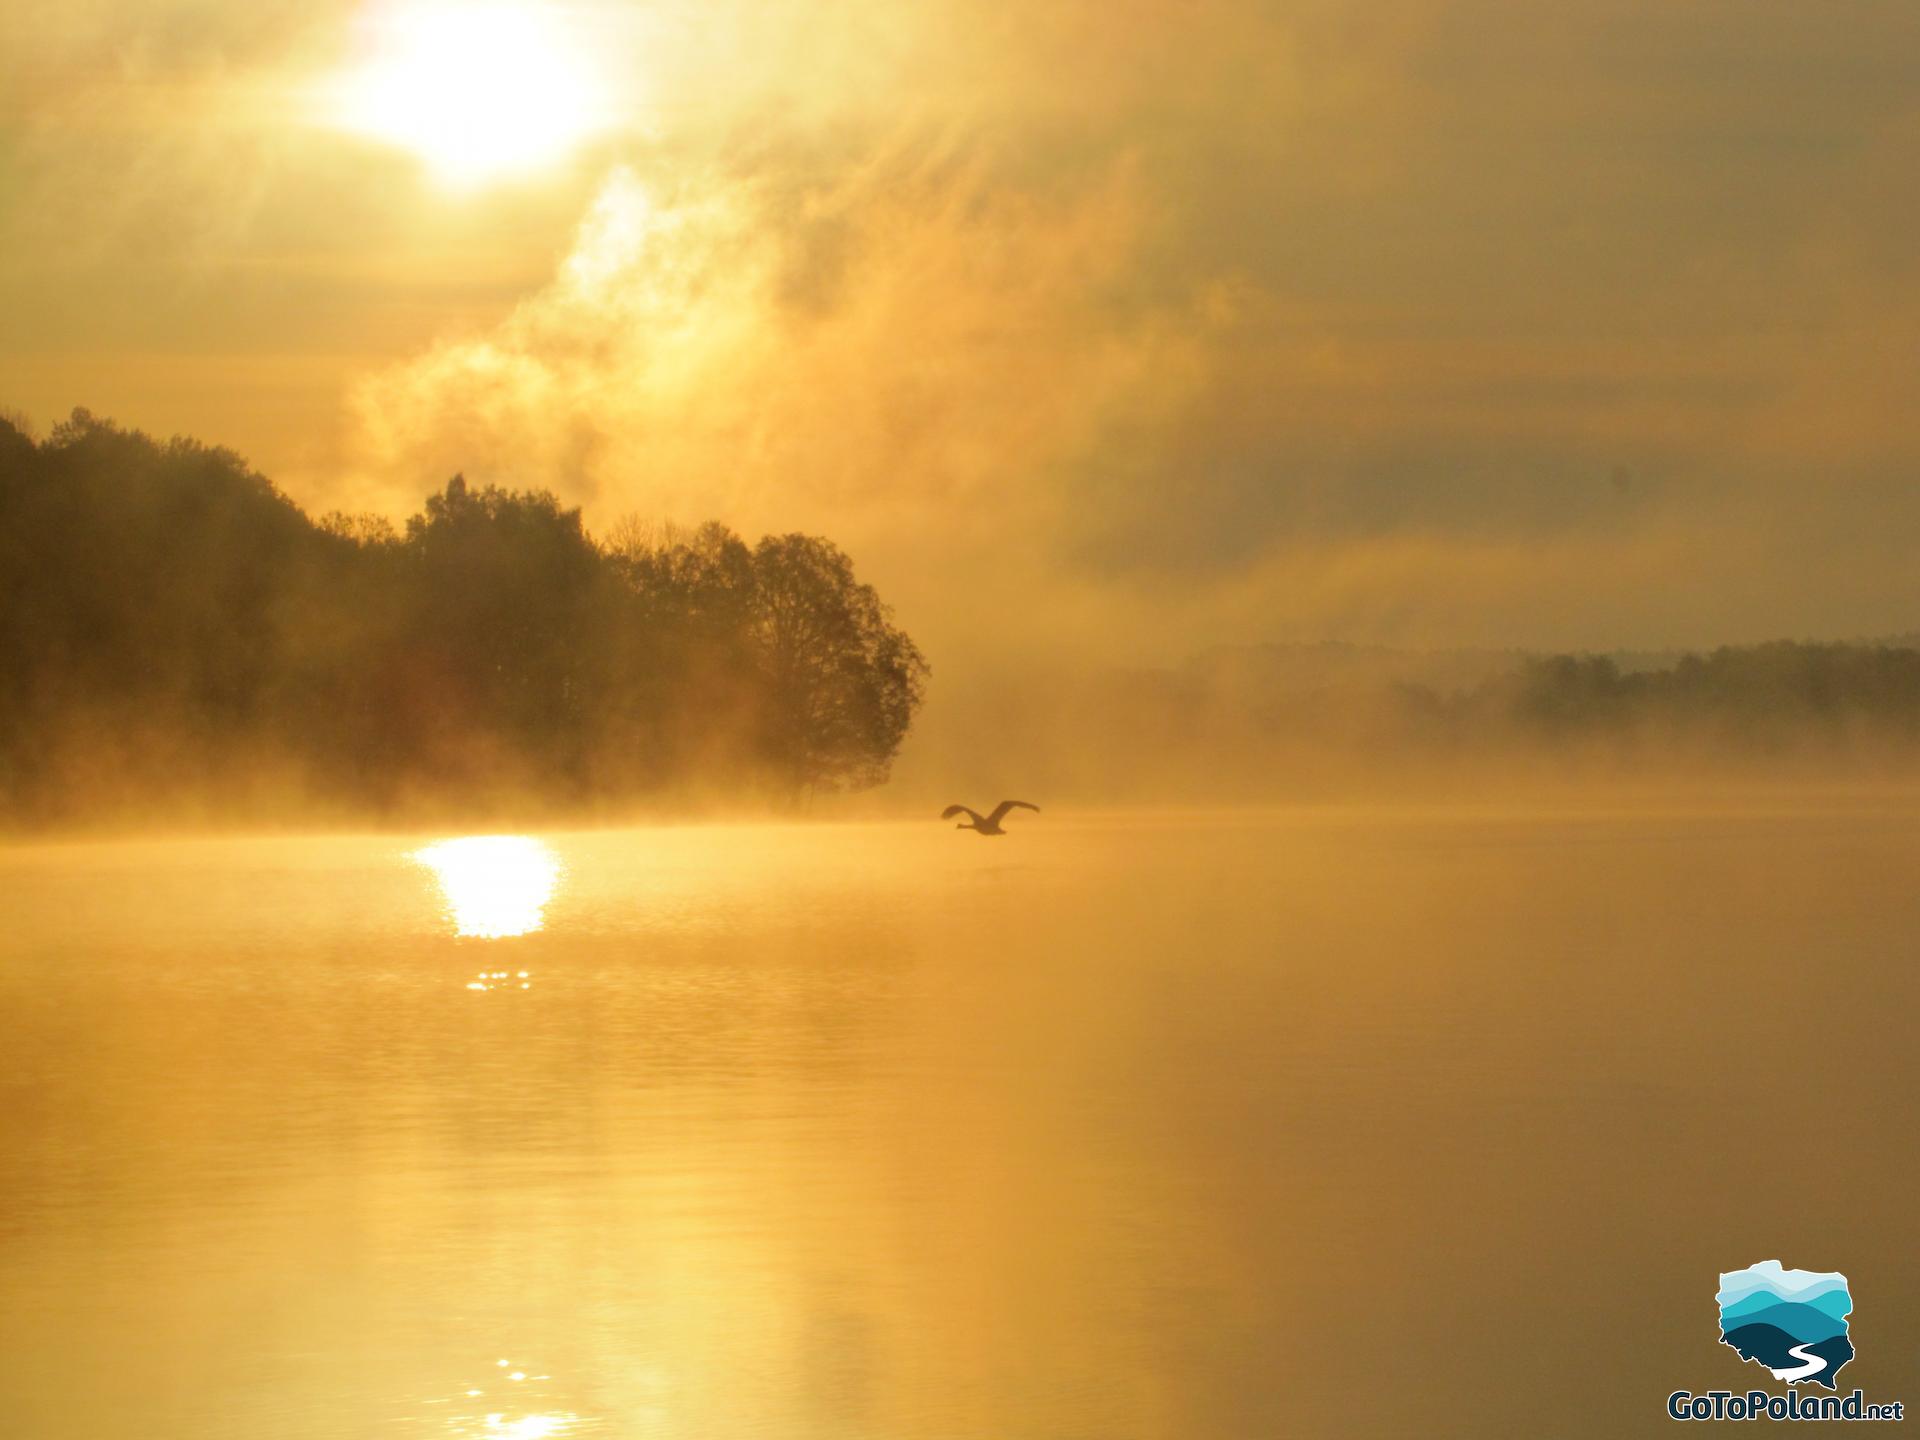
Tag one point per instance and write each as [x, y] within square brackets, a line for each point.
[495, 885]
[478, 89]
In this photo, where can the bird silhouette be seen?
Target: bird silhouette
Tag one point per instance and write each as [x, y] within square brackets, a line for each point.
[986, 824]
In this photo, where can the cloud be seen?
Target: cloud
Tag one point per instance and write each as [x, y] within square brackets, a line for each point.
[900, 351]
[1117, 328]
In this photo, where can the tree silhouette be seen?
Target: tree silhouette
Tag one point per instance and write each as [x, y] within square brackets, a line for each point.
[171, 626]
[842, 681]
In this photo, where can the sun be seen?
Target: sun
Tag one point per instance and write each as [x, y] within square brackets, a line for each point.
[479, 90]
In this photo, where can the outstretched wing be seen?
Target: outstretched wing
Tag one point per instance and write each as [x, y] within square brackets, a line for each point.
[1000, 810]
[953, 810]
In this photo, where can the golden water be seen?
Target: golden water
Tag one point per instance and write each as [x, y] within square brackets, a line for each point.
[1334, 1124]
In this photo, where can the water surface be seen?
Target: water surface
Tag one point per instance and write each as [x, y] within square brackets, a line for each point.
[1135, 1126]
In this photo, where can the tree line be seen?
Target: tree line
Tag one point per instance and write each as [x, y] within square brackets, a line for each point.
[173, 628]
[1747, 705]
[1778, 696]
[1285, 723]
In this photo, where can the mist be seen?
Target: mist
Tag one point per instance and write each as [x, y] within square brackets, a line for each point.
[1433, 327]
[830, 718]
[1333, 724]
[175, 634]
[183, 644]
[1101, 348]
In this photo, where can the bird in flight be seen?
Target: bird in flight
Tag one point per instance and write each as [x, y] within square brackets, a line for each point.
[986, 824]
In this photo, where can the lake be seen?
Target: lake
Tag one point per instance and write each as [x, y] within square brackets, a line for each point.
[1331, 1123]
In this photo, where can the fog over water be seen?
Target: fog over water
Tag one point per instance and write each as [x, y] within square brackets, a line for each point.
[1149, 1124]
[517, 515]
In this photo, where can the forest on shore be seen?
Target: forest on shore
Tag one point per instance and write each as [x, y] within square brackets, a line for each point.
[1262, 724]
[176, 635]
[179, 640]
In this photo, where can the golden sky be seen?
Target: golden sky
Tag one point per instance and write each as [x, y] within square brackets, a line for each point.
[1123, 327]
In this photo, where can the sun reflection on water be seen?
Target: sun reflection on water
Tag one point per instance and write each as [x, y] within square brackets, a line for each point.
[495, 885]
[528, 1427]
[505, 1408]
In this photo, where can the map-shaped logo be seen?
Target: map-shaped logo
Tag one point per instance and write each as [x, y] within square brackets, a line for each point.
[1794, 1322]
